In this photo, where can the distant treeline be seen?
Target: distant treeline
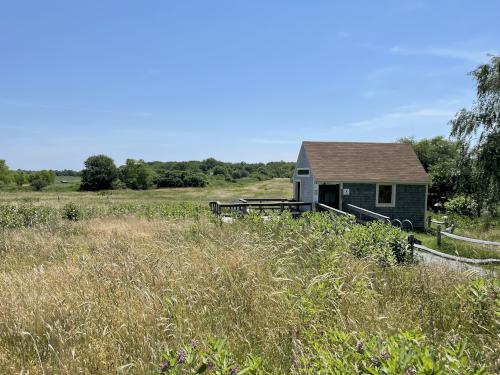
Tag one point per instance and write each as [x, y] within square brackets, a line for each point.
[101, 173]
[138, 174]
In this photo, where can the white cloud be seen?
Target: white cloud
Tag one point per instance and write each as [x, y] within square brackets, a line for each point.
[475, 56]
[408, 116]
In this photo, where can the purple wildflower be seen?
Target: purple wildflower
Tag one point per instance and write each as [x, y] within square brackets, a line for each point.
[194, 343]
[181, 355]
[210, 365]
[233, 370]
[360, 347]
[385, 355]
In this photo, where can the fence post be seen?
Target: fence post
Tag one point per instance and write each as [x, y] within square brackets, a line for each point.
[429, 222]
[445, 222]
[438, 235]
[452, 228]
[411, 241]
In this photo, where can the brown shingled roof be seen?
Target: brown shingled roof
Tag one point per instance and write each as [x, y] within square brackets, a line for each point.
[364, 162]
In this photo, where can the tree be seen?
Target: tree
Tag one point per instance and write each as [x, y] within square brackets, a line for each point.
[99, 174]
[5, 174]
[440, 159]
[136, 174]
[20, 178]
[41, 179]
[478, 128]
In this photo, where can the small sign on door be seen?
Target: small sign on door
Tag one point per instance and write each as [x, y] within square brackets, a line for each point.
[346, 191]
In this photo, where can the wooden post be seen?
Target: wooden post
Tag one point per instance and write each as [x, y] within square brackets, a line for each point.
[445, 222]
[429, 222]
[438, 235]
[411, 241]
[452, 228]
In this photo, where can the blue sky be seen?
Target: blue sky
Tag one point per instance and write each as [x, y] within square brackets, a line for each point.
[235, 80]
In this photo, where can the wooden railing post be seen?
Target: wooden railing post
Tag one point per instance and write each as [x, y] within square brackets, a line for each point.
[438, 235]
[445, 222]
[411, 241]
[429, 222]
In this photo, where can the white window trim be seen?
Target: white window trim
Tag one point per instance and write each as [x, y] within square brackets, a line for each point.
[393, 196]
[304, 169]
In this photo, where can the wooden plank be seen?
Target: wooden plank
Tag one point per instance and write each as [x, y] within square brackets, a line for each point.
[456, 258]
[265, 204]
[366, 212]
[265, 199]
[437, 222]
[473, 240]
[331, 209]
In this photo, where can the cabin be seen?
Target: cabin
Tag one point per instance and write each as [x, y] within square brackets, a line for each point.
[386, 178]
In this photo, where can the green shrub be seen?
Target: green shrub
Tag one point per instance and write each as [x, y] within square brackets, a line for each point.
[72, 212]
[462, 205]
[214, 359]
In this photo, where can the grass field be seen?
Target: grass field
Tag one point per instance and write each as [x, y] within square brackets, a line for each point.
[127, 289]
[222, 192]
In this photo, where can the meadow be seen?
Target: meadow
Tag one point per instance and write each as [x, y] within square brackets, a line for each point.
[152, 282]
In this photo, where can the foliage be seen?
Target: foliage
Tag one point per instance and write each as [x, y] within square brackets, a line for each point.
[41, 179]
[20, 178]
[72, 212]
[484, 119]
[136, 175]
[26, 215]
[283, 295]
[216, 359]
[213, 167]
[99, 174]
[405, 353]
[180, 179]
[461, 205]
[5, 176]
[439, 157]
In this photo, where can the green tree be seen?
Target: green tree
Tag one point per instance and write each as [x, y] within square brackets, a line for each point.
[99, 174]
[5, 174]
[478, 128]
[136, 174]
[440, 158]
[41, 179]
[20, 178]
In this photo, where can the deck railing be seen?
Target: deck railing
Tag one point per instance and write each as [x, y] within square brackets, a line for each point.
[324, 207]
[243, 207]
[370, 214]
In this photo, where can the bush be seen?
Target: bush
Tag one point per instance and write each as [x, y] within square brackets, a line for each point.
[99, 174]
[38, 184]
[72, 212]
[462, 205]
[137, 175]
[181, 179]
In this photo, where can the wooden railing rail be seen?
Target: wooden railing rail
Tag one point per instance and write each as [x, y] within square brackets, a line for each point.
[456, 258]
[368, 213]
[265, 200]
[324, 207]
[473, 240]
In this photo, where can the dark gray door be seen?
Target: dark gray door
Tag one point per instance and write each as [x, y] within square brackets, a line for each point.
[329, 195]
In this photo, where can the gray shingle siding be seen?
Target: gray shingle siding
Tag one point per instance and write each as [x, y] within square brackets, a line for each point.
[410, 201]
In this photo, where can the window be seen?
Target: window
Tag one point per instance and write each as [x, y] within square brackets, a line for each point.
[386, 195]
[303, 171]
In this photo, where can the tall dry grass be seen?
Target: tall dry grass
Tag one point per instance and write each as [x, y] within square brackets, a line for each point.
[108, 295]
